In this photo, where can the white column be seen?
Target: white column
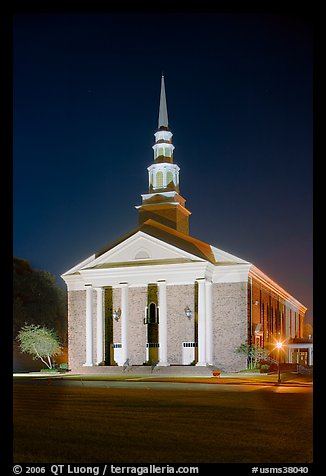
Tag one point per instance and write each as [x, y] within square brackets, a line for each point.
[124, 320]
[163, 325]
[164, 177]
[99, 326]
[201, 323]
[209, 323]
[311, 362]
[89, 326]
[287, 317]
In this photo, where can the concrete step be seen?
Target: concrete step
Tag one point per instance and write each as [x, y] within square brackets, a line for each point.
[146, 370]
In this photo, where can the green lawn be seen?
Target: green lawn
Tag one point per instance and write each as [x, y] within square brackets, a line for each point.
[59, 423]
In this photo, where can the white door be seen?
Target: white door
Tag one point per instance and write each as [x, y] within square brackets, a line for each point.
[118, 354]
[188, 353]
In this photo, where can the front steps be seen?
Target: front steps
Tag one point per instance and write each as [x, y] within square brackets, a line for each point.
[148, 371]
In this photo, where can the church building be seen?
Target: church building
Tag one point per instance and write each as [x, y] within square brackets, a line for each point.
[158, 296]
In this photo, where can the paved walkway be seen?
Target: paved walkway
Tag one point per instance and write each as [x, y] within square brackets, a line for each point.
[289, 379]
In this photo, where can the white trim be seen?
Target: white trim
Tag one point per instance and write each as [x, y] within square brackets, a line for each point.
[89, 326]
[224, 256]
[209, 322]
[139, 236]
[77, 266]
[99, 325]
[163, 135]
[233, 273]
[261, 277]
[201, 323]
[146, 196]
[176, 273]
[179, 273]
[124, 321]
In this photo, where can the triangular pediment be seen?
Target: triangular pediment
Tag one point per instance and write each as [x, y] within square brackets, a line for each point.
[141, 249]
[155, 244]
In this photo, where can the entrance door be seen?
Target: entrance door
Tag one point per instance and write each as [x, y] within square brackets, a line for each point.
[188, 352]
[152, 333]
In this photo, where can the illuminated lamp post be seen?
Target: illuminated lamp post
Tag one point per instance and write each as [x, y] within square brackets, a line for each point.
[279, 346]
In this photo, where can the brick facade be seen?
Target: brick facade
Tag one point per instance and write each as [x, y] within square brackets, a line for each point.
[230, 325]
[180, 328]
[76, 329]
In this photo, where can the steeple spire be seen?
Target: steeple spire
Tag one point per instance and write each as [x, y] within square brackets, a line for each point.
[163, 112]
[163, 203]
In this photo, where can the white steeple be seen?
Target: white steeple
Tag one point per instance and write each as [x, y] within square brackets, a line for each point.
[163, 202]
[163, 112]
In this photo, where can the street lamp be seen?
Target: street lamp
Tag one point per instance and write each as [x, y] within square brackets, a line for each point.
[279, 346]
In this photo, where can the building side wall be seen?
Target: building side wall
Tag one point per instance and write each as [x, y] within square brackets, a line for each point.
[230, 325]
[180, 328]
[279, 319]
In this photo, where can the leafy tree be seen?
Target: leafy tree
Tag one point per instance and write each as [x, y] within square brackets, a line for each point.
[254, 354]
[42, 343]
[38, 299]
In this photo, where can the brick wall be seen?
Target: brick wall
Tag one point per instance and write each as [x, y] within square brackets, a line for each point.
[76, 329]
[137, 298]
[180, 328]
[229, 325]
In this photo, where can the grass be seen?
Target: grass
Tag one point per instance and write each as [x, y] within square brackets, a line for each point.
[58, 423]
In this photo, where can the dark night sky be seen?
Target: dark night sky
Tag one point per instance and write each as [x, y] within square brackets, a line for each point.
[239, 94]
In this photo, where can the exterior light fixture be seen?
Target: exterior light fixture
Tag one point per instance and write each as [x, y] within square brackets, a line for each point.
[188, 312]
[256, 303]
[116, 313]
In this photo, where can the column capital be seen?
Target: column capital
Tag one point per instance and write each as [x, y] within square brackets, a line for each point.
[161, 282]
[124, 284]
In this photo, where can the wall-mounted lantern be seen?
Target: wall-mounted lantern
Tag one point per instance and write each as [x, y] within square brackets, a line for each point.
[116, 314]
[188, 312]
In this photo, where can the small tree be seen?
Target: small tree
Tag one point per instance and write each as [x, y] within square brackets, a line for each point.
[42, 343]
[254, 354]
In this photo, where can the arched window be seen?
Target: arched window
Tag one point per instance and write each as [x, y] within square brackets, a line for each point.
[152, 317]
[159, 180]
[169, 177]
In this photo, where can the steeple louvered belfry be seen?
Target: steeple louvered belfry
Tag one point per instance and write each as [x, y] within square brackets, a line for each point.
[163, 202]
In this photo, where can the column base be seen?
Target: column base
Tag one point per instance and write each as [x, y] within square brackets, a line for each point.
[88, 365]
[163, 364]
[201, 364]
